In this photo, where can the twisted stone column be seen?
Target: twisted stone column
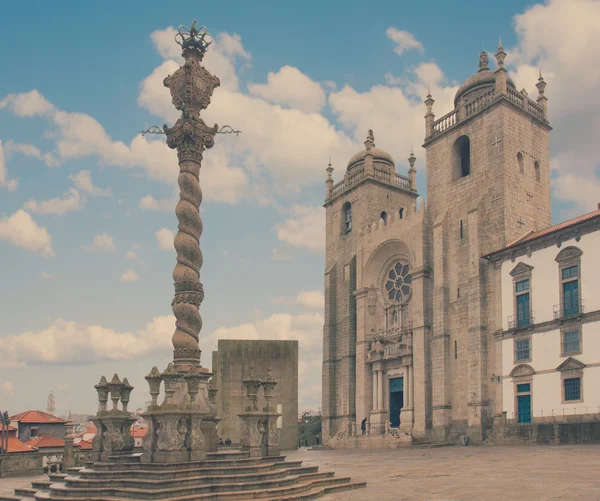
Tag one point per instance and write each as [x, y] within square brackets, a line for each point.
[191, 88]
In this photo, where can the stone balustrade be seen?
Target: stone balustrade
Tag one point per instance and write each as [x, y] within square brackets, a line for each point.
[466, 110]
[358, 174]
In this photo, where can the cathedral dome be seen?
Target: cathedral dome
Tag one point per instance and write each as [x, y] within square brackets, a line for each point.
[380, 157]
[484, 79]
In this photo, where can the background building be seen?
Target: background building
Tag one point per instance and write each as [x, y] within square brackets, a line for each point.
[413, 295]
[233, 361]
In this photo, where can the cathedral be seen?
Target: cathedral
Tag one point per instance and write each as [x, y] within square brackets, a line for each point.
[416, 322]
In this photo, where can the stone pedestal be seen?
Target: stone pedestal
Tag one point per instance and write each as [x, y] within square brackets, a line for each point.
[260, 435]
[69, 456]
[184, 427]
[407, 419]
[113, 436]
[377, 421]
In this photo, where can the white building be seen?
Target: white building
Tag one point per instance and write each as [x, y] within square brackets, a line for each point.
[549, 303]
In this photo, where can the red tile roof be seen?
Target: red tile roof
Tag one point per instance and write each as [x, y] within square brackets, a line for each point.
[534, 235]
[15, 445]
[136, 431]
[84, 445]
[45, 441]
[36, 417]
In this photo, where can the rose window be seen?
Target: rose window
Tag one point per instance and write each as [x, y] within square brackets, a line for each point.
[398, 283]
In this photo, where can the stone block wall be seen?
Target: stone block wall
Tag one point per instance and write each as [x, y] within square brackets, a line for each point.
[232, 362]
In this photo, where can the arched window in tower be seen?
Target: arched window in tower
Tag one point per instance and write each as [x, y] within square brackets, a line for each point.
[384, 217]
[520, 161]
[347, 218]
[462, 157]
[536, 167]
[401, 212]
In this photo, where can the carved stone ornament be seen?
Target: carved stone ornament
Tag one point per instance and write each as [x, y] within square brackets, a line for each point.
[372, 301]
[192, 85]
[168, 436]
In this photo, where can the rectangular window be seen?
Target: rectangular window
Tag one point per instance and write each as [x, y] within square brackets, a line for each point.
[523, 310]
[571, 342]
[523, 388]
[571, 298]
[571, 272]
[522, 350]
[523, 285]
[573, 389]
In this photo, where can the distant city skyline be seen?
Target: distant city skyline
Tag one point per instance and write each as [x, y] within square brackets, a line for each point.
[87, 203]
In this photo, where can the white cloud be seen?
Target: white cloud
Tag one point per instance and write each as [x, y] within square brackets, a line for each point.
[165, 239]
[162, 205]
[556, 36]
[290, 87]
[307, 299]
[129, 276]
[101, 243]
[70, 342]
[83, 181]
[7, 388]
[47, 276]
[9, 184]
[21, 230]
[305, 229]
[27, 104]
[404, 41]
[68, 202]
[130, 254]
[30, 150]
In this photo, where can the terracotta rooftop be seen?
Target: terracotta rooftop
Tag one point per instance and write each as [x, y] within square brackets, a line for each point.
[534, 235]
[45, 441]
[36, 417]
[137, 431]
[15, 445]
[84, 445]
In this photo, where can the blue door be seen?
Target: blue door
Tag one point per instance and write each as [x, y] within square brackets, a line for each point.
[524, 403]
[571, 298]
[523, 310]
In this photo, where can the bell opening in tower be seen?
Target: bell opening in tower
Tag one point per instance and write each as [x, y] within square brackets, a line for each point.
[462, 157]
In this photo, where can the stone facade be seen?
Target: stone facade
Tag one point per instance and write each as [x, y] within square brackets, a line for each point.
[233, 361]
[408, 305]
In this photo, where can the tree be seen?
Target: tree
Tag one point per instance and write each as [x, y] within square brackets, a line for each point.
[309, 428]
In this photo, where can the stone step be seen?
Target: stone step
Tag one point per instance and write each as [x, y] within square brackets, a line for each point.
[24, 492]
[41, 484]
[145, 473]
[57, 477]
[229, 454]
[125, 458]
[320, 491]
[173, 482]
[65, 492]
[7, 497]
[275, 493]
[207, 463]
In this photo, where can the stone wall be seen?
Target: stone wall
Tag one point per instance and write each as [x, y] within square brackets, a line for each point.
[19, 464]
[548, 433]
[232, 362]
[56, 430]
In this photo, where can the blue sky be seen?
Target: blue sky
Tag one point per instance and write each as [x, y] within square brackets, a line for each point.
[86, 203]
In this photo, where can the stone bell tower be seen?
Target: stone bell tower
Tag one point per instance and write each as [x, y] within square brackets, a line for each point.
[488, 183]
[371, 189]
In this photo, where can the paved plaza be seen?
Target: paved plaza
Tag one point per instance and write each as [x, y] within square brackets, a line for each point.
[483, 473]
[528, 473]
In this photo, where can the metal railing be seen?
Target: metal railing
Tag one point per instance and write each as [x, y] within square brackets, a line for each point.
[567, 310]
[520, 321]
[558, 414]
